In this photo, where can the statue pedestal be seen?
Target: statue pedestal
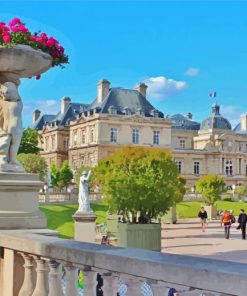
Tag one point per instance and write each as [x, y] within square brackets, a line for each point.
[85, 226]
[19, 205]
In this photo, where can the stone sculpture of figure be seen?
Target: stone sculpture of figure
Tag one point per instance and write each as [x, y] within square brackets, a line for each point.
[83, 198]
[10, 127]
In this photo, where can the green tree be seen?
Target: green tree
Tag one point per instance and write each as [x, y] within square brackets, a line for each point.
[29, 141]
[241, 190]
[138, 180]
[33, 163]
[210, 187]
[60, 177]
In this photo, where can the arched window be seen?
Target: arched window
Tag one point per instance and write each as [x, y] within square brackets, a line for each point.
[229, 168]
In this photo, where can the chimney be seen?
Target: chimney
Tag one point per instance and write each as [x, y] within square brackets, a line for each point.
[243, 122]
[36, 114]
[65, 104]
[142, 88]
[103, 90]
[189, 115]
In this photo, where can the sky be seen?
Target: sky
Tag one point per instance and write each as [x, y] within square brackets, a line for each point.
[181, 50]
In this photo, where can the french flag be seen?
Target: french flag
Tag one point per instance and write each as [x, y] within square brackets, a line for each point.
[213, 94]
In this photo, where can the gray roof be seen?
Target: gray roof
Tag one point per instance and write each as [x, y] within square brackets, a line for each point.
[238, 130]
[125, 100]
[72, 112]
[215, 121]
[182, 122]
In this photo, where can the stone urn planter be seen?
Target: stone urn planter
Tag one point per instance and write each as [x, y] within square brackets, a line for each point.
[22, 61]
[141, 236]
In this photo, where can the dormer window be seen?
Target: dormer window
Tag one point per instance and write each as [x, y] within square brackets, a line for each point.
[127, 111]
[155, 113]
[112, 110]
[140, 112]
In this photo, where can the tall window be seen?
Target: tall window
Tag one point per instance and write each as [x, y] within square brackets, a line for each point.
[182, 144]
[65, 143]
[46, 143]
[53, 142]
[82, 160]
[179, 165]
[74, 162]
[196, 167]
[92, 135]
[83, 136]
[239, 166]
[229, 168]
[156, 139]
[246, 170]
[75, 138]
[135, 136]
[113, 135]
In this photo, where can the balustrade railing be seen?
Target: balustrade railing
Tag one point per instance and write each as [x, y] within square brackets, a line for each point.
[38, 265]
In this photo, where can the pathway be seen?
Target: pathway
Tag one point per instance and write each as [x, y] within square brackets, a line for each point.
[186, 238]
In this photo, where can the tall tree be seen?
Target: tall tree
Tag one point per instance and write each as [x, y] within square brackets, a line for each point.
[33, 163]
[29, 141]
[139, 180]
[60, 177]
[210, 187]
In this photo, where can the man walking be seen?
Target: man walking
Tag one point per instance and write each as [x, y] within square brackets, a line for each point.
[203, 216]
[242, 220]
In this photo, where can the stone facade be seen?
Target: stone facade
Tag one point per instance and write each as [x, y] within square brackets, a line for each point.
[84, 134]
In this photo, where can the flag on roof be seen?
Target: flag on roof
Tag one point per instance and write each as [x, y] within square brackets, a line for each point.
[213, 94]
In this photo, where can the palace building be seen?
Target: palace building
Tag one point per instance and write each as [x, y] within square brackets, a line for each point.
[86, 133]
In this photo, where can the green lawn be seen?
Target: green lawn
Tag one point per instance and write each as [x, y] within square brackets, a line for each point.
[59, 216]
[190, 209]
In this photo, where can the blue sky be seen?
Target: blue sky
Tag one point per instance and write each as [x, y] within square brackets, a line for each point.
[183, 50]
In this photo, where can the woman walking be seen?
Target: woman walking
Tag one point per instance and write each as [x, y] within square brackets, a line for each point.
[226, 220]
[204, 216]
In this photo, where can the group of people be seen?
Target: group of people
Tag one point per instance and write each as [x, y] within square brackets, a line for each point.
[227, 219]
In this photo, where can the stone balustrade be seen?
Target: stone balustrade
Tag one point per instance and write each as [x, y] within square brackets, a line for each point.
[37, 265]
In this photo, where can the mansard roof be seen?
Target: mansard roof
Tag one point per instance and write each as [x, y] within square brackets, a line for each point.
[60, 119]
[124, 101]
[182, 122]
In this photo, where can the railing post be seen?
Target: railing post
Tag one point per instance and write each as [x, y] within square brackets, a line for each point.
[41, 282]
[71, 278]
[133, 285]
[55, 288]
[110, 284]
[28, 283]
[89, 282]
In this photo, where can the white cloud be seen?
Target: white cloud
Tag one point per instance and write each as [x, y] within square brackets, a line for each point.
[48, 106]
[232, 113]
[192, 72]
[161, 87]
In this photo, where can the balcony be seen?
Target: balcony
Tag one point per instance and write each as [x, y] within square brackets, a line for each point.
[33, 264]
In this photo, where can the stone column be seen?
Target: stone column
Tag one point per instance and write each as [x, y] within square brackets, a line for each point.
[19, 204]
[85, 226]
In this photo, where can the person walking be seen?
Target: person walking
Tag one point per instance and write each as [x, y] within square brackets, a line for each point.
[242, 220]
[226, 220]
[203, 216]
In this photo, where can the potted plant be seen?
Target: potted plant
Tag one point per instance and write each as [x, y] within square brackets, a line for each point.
[141, 185]
[211, 187]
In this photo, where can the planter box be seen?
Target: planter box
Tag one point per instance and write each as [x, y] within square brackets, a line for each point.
[170, 216]
[211, 211]
[142, 236]
[112, 224]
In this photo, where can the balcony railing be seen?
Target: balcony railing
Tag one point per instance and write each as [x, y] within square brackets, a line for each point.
[38, 265]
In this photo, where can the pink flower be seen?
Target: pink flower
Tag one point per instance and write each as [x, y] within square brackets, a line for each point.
[38, 77]
[7, 38]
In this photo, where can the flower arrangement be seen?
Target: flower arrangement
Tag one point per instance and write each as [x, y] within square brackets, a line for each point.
[17, 33]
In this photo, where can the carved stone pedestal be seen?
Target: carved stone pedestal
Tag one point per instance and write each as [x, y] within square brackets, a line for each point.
[19, 206]
[85, 226]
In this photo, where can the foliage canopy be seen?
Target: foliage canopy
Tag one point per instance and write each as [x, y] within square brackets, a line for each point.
[210, 187]
[33, 163]
[29, 141]
[139, 181]
[60, 177]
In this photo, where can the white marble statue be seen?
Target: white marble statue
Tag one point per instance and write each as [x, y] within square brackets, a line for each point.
[10, 126]
[83, 198]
